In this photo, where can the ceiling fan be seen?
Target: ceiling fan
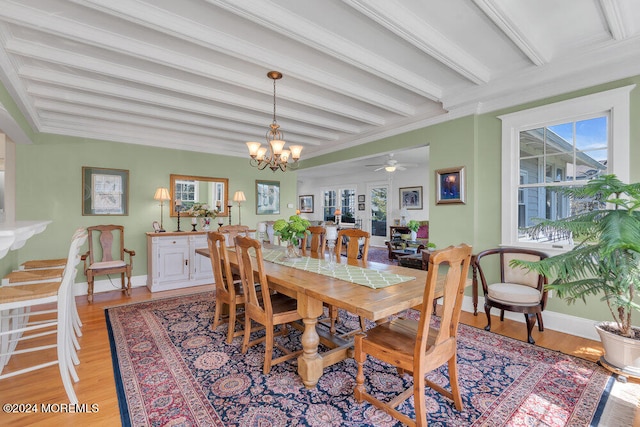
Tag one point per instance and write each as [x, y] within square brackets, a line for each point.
[392, 165]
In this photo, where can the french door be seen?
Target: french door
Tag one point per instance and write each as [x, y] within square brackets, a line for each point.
[378, 213]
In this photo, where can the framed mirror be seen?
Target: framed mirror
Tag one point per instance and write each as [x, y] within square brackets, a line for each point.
[191, 189]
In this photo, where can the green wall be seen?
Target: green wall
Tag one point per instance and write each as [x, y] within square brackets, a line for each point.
[49, 181]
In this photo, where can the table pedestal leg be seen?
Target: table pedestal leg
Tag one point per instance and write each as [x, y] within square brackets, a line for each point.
[310, 364]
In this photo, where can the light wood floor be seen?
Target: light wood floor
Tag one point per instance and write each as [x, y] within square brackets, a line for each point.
[97, 384]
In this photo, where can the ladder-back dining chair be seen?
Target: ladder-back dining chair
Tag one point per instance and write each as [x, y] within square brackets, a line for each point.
[231, 231]
[518, 289]
[317, 242]
[261, 305]
[414, 346]
[105, 258]
[228, 289]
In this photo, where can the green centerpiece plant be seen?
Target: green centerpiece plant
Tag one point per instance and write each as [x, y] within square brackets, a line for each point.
[292, 231]
[413, 225]
[605, 261]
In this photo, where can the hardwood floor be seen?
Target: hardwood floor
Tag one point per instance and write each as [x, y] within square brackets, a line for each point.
[97, 385]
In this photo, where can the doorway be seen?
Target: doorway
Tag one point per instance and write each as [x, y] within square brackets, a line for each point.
[378, 213]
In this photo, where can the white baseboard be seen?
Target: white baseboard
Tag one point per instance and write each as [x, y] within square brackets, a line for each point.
[105, 285]
[560, 322]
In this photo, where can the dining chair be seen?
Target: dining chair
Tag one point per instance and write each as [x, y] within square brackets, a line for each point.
[103, 258]
[317, 243]
[518, 289]
[228, 289]
[231, 231]
[16, 304]
[355, 244]
[414, 346]
[352, 242]
[270, 310]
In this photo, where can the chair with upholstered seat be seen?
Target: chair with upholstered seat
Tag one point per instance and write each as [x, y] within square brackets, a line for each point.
[518, 290]
[270, 310]
[16, 304]
[414, 346]
[228, 289]
[105, 258]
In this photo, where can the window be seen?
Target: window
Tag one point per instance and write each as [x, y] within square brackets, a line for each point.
[559, 145]
[343, 199]
[186, 191]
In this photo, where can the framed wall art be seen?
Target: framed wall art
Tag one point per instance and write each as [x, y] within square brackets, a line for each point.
[361, 198]
[450, 185]
[411, 197]
[267, 197]
[305, 204]
[361, 206]
[105, 191]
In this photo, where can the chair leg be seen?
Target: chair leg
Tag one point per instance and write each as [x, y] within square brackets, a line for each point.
[363, 324]
[540, 324]
[90, 289]
[359, 357]
[268, 351]
[530, 319]
[419, 402]
[487, 309]
[453, 382]
[217, 314]
[247, 333]
[232, 323]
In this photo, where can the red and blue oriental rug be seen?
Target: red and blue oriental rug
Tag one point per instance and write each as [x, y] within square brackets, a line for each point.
[171, 369]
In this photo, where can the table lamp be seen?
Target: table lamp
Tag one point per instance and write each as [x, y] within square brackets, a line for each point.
[238, 197]
[162, 194]
[337, 214]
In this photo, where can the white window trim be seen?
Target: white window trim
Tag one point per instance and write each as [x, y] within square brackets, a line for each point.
[615, 101]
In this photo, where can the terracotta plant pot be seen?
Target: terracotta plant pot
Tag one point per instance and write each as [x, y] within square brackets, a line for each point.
[620, 352]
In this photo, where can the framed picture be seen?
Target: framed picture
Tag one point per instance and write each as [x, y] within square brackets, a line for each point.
[361, 198]
[411, 197]
[305, 204]
[450, 185]
[267, 197]
[105, 191]
[396, 221]
[360, 206]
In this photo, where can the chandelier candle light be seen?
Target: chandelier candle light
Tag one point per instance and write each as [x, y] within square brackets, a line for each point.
[274, 155]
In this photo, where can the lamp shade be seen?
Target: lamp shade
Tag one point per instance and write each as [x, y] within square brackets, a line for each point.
[162, 194]
[239, 196]
[338, 212]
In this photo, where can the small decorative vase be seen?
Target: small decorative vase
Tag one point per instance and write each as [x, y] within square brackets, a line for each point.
[293, 252]
[414, 235]
[206, 223]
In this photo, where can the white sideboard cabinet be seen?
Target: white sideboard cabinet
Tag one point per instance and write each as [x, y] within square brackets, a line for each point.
[172, 261]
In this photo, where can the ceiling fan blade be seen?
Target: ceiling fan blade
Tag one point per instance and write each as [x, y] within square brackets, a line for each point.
[378, 169]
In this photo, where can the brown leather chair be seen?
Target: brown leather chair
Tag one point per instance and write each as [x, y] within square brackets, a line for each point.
[518, 290]
[104, 259]
[416, 347]
[270, 310]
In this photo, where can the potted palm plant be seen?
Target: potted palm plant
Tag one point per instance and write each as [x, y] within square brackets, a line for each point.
[605, 262]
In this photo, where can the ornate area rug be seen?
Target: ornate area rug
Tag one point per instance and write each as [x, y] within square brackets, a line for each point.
[172, 369]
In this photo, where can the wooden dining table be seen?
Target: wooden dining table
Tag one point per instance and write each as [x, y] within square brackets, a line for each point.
[312, 290]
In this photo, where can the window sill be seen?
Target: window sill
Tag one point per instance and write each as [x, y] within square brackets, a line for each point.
[14, 235]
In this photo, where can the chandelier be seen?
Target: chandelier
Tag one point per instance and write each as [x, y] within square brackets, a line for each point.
[274, 155]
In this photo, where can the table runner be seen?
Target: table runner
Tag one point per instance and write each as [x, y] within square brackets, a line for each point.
[362, 276]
